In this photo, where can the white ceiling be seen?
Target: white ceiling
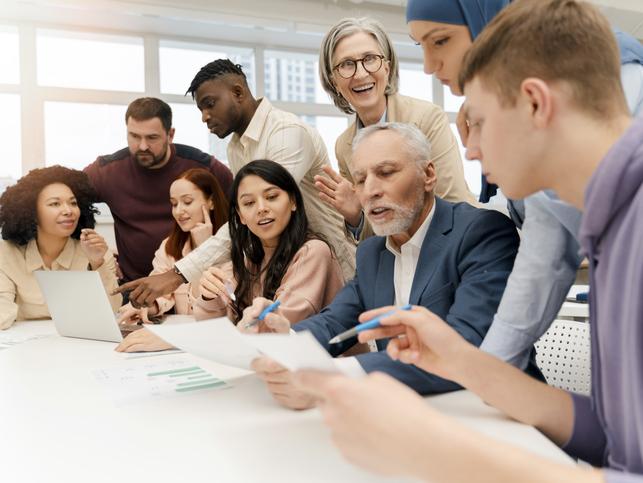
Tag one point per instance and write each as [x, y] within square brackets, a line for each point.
[278, 22]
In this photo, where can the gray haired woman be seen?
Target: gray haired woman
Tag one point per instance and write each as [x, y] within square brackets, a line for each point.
[359, 70]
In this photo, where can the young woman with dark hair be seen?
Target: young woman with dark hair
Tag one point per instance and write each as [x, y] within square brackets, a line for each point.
[199, 208]
[274, 254]
[47, 223]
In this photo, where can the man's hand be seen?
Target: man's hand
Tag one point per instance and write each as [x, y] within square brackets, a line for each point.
[93, 246]
[147, 289]
[280, 384]
[420, 337]
[142, 341]
[339, 193]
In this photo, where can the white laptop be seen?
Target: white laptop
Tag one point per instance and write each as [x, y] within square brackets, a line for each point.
[78, 304]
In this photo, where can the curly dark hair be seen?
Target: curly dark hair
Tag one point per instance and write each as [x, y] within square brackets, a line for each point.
[212, 71]
[18, 214]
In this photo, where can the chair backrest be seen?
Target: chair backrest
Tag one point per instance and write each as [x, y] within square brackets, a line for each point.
[563, 356]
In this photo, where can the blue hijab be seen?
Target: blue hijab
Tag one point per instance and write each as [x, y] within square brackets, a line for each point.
[476, 14]
[630, 48]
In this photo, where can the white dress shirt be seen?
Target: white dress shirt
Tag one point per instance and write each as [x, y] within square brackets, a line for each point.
[282, 137]
[406, 260]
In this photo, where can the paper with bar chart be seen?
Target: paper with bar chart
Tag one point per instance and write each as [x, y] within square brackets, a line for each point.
[154, 380]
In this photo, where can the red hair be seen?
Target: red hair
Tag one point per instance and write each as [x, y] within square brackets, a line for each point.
[209, 186]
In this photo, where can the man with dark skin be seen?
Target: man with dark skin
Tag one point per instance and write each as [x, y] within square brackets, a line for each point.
[259, 131]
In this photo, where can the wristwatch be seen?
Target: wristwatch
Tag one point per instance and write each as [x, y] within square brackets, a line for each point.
[178, 272]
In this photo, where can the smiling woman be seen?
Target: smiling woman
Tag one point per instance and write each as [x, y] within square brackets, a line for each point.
[47, 221]
[359, 70]
[199, 209]
[274, 254]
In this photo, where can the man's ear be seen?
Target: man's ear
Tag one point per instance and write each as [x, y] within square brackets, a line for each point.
[170, 134]
[430, 176]
[238, 91]
[538, 99]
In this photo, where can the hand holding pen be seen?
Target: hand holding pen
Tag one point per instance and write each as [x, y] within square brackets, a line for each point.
[262, 317]
[420, 337]
[270, 308]
[215, 283]
[373, 323]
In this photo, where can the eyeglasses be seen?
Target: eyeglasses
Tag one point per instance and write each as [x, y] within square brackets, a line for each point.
[371, 63]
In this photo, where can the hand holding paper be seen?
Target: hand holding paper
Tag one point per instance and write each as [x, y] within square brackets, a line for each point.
[220, 341]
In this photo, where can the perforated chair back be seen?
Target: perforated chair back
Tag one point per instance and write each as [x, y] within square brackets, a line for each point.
[563, 356]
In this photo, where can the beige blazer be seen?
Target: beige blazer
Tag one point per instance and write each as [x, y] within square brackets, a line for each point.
[20, 295]
[434, 123]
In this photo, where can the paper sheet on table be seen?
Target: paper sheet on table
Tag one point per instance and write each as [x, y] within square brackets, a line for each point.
[296, 351]
[216, 339]
[220, 341]
[156, 379]
[25, 331]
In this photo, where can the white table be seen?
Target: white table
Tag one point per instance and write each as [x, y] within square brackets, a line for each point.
[60, 424]
[575, 310]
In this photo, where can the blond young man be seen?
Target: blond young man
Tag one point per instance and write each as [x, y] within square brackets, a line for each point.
[546, 111]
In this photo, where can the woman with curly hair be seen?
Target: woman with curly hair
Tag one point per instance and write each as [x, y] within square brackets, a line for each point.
[47, 223]
[199, 209]
[274, 255]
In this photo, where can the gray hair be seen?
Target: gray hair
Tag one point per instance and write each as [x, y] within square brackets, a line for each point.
[341, 30]
[415, 142]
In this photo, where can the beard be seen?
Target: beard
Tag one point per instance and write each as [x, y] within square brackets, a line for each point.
[147, 159]
[403, 216]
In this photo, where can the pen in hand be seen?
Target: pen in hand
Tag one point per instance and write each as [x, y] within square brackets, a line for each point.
[230, 290]
[263, 314]
[371, 324]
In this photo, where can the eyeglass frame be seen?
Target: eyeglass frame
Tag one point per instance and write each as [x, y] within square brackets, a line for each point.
[361, 61]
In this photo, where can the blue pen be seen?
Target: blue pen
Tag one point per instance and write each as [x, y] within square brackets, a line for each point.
[371, 324]
[273, 306]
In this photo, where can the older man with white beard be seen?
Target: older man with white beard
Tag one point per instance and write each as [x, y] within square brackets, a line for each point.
[453, 259]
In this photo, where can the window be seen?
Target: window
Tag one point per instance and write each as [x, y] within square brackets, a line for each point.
[90, 61]
[285, 87]
[472, 169]
[191, 131]
[329, 127]
[452, 103]
[415, 83]
[10, 149]
[77, 133]
[180, 61]
[9, 55]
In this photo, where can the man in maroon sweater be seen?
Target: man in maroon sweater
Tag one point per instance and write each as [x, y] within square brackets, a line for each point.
[135, 182]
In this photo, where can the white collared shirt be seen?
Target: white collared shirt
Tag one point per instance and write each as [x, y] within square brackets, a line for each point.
[284, 138]
[406, 260]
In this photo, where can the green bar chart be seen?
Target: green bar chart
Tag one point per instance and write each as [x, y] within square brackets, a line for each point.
[156, 380]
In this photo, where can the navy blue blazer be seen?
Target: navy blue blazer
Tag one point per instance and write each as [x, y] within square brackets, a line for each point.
[464, 263]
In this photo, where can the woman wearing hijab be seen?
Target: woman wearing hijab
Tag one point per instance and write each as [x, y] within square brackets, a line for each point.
[359, 71]
[548, 259]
